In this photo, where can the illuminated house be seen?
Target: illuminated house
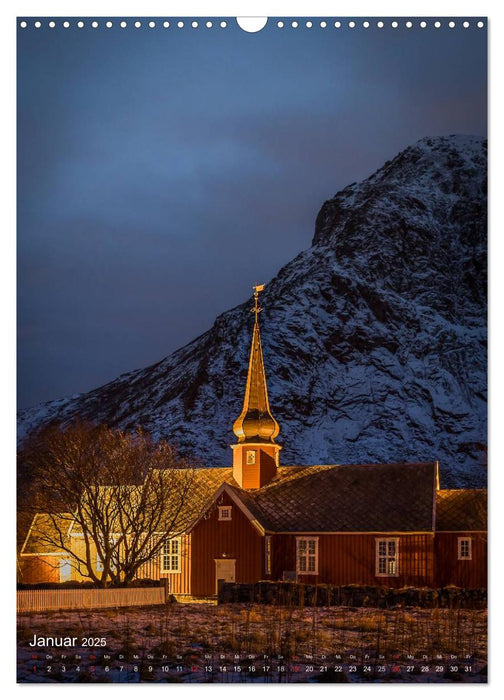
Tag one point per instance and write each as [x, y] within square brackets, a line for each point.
[387, 524]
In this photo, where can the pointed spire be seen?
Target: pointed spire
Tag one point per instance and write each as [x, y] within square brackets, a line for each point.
[256, 423]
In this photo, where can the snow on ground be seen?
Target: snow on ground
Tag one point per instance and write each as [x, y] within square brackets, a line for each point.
[255, 643]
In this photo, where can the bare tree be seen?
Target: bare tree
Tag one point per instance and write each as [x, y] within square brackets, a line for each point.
[109, 500]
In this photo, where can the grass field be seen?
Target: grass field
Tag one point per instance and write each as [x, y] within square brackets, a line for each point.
[181, 642]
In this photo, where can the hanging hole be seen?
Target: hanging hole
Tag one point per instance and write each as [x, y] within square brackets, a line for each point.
[252, 24]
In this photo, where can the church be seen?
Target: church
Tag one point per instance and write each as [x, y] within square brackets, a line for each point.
[370, 524]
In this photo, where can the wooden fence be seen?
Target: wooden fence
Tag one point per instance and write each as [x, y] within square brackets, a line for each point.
[86, 599]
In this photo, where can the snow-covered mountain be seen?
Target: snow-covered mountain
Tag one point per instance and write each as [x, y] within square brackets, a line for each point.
[374, 338]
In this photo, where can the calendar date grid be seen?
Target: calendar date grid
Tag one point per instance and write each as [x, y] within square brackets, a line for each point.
[135, 666]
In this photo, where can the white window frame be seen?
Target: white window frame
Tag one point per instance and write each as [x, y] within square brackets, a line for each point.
[225, 513]
[303, 546]
[267, 555]
[387, 557]
[460, 553]
[170, 556]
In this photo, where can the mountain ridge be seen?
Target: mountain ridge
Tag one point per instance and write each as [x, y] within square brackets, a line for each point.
[374, 338]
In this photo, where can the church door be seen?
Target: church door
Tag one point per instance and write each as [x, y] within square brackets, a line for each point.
[224, 569]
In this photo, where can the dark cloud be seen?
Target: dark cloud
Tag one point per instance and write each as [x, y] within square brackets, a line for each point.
[162, 173]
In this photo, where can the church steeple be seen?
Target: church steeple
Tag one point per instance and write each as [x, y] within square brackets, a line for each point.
[256, 422]
[255, 457]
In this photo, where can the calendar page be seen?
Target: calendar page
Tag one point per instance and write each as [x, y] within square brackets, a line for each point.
[252, 372]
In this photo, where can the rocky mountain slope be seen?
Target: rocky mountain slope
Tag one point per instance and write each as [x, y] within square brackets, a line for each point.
[374, 338]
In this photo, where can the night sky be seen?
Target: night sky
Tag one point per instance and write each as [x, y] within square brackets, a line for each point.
[162, 172]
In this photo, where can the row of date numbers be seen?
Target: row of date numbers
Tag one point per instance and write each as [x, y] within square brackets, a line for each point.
[352, 668]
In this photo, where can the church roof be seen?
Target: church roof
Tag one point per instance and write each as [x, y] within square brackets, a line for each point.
[346, 498]
[324, 498]
[46, 532]
[47, 528]
[461, 510]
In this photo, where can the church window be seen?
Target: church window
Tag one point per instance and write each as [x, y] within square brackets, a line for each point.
[251, 456]
[225, 512]
[464, 548]
[307, 555]
[387, 557]
[170, 556]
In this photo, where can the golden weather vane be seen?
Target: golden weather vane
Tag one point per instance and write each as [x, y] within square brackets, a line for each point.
[256, 309]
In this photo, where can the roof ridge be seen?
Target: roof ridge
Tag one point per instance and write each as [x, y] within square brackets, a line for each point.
[207, 469]
[462, 490]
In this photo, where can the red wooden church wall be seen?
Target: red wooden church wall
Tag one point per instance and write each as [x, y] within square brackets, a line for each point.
[466, 574]
[237, 539]
[40, 570]
[180, 583]
[346, 559]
